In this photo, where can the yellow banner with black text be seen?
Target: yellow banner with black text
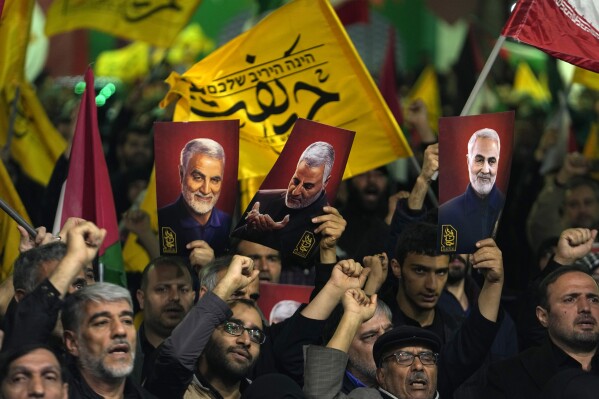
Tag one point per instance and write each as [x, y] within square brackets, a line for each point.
[296, 63]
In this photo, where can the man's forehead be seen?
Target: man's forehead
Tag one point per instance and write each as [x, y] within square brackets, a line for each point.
[573, 282]
[94, 307]
[37, 358]
[247, 315]
[167, 272]
[416, 347]
[486, 143]
[377, 321]
[198, 158]
[436, 262]
[306, 171]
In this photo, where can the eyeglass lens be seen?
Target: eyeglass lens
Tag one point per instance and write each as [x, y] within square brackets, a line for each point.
[237, 329]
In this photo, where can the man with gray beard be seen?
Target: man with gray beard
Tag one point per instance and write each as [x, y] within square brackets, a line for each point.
[100, 337]
[199, 227]
[475, 213]
[282, 218]
[569, 310]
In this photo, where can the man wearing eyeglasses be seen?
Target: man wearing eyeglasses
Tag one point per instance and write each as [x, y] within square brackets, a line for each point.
[211, 351]
[405, 357]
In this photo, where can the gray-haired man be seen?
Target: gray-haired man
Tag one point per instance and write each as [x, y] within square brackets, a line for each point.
[281, 219]
[474, 214]
[99, 334]
[193, 219]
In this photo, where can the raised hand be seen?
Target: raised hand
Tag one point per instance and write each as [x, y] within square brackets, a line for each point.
[27, 242]
[573, 244]
[239, 275]
[356, 302]
[379, 266]
[331, 225]
[201, 253]
[489, 260]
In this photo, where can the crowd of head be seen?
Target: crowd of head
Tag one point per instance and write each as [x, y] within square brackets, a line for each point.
[389, 317]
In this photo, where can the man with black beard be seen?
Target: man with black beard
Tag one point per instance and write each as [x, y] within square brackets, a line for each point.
[365, 211]
[166, 295]
[569, 309]
[211, 351]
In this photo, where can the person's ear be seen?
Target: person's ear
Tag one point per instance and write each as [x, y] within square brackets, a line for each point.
[19, 294]
[181, 173]
[324, 185]
[396, 268]
[140, 298]
[542, 315]
[71, 343]
[203, 291]
[380, 377]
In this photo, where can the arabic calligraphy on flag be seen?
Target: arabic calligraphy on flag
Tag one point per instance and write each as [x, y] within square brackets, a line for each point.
[296, 63]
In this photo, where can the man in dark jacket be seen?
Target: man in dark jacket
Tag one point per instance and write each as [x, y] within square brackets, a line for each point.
[569, 310]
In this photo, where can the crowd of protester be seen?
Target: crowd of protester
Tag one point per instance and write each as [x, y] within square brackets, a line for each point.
[389, 315]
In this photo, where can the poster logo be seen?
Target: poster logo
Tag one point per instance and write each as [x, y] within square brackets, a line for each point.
[305, 244]
[169, 241]
[449, 238]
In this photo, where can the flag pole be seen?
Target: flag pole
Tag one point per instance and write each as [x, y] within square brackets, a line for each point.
[17, 218]
[479, 82]
[483, 75]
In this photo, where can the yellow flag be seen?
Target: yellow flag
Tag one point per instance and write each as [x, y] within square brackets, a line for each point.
[127, 63]
[591, 147]
[296, 63]
[9, 235]
[526, 83]
[153, 21]
[427, 89]
[36, 144]
[586, 78]
[14, 37]
[135, 257]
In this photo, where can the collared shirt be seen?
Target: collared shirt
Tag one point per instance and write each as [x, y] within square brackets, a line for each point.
[564, 361]
[186, 228]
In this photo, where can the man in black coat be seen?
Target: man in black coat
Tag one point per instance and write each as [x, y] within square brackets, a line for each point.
[473, 215]
[569, 309]
[282, 219]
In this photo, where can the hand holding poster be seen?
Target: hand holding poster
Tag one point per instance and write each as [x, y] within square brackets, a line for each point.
[303, 180]
[196, 183]
[472, 187]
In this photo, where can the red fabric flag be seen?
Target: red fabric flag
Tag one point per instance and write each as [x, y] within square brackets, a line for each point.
[88, 193]
[353, 12]
[565, 29]
[387, 83]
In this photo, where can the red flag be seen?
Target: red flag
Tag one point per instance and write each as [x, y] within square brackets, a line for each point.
[387, 83]
[88, 194]
[1, 6]
[566, 29]
[353, 12]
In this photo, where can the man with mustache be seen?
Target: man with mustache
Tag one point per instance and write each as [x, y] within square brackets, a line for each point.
[474, 214]
[215, 346]
[282, 219]
[100, 336]
[405, 358]
[200, 228]
[166, 295]
[569, 310]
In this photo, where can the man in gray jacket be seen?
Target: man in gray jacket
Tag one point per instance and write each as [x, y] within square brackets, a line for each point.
[406, 358]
